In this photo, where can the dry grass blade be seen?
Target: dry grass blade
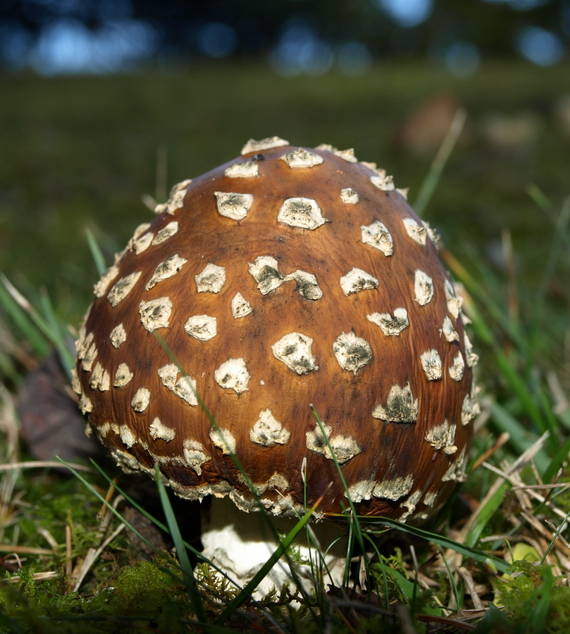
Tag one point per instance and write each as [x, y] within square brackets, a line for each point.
[557, 485]
[91, 557]
[10, 429]
[502, 440]
[493, 500]
[36, 576]
[471, 588]
[515, 480]
[68, 550]
[50, 539]
[518, 464]
[557, 542]
[81, 569]
[42, 464]
[24, 550]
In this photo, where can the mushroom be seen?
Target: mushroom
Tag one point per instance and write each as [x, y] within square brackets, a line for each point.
[286, 278]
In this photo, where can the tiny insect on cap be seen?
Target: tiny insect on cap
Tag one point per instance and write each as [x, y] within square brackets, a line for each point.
[286, 282]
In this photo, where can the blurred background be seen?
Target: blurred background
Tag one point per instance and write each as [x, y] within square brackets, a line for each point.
[106, 103]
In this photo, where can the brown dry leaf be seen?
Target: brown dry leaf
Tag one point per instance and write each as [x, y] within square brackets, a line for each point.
[51, 422]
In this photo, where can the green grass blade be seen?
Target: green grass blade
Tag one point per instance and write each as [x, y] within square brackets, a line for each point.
[246, 478]
[520, 438]
[406, 587]
[163, 527]
[434, 175]
[28, 329]
[546, 408]
[486, 514]
[478, 285]
[355, 529]
[452, 582]
[58, 333]
[556, 461]
[7, 368]
[114, 511]
[96, 252]
[109, 506]
[564, 418]
[440, 540]
[524, 394]
[557, 534]
[28, 308]
[374, 547]
[558, 249]
[540, 604]
[181, 552]
[48, 324]
[539, 197]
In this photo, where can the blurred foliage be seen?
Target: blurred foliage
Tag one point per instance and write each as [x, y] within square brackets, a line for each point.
[258, 24]
[78, 153]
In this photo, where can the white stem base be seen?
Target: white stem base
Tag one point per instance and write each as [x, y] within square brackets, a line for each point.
[240, 543]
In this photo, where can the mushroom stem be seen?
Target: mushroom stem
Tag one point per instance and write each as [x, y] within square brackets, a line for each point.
[240, 543]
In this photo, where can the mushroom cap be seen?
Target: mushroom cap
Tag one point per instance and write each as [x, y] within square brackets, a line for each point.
[286, 278]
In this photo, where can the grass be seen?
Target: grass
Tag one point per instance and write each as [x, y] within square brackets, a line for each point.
[83, 554]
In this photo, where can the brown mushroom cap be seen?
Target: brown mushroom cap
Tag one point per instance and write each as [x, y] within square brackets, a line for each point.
[286, 277]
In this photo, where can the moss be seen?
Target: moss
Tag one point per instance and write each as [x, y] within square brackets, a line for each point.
[53, 501]
[532, 600]
[149, 588]
[144, 596]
